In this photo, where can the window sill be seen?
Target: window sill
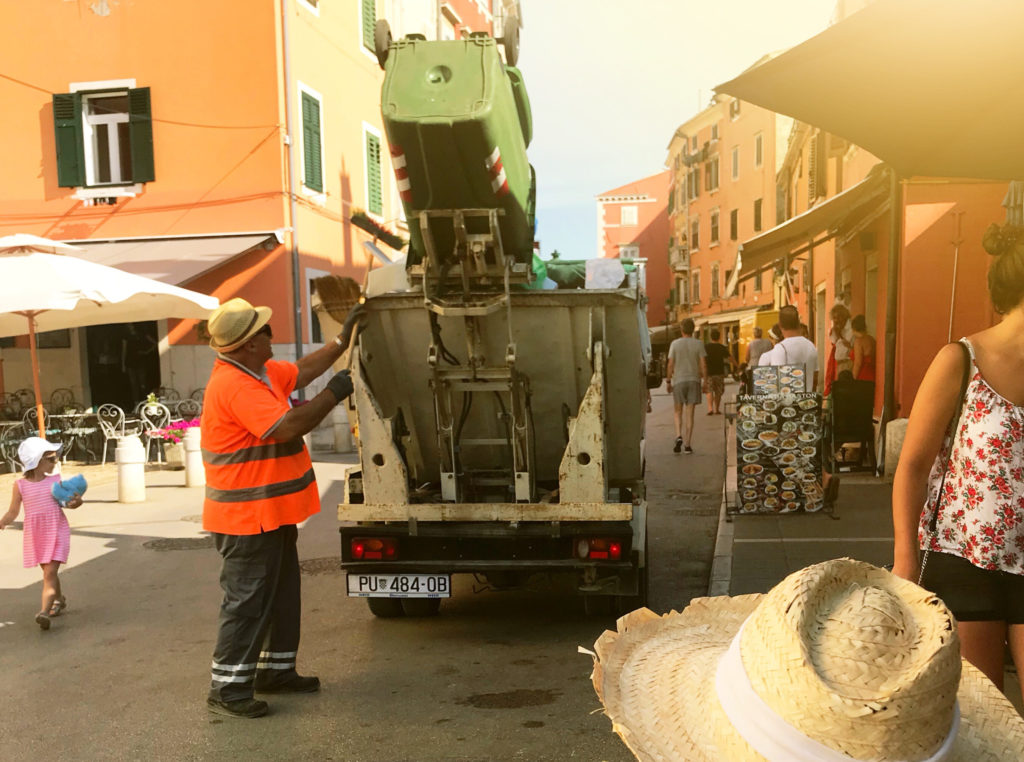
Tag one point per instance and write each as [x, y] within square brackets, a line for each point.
[107, 191]
[317, 197]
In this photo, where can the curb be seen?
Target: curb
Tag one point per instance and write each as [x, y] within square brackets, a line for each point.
[721, 564]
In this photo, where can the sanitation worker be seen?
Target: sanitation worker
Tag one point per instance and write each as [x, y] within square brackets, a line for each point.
[259, 485]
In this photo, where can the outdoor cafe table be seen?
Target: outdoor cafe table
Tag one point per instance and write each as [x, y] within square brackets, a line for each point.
[74, 430]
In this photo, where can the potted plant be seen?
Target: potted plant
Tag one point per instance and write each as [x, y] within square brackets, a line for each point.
[173, 433]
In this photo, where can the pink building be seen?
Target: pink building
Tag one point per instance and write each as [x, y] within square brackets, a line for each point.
[632, 222]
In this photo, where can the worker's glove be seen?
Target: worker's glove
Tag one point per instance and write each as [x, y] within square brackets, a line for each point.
[341, 384]
[356, 316]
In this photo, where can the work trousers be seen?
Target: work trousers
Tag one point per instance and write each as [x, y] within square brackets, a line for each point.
[259, 617]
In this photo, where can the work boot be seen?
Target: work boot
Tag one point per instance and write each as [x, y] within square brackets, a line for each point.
[248, 708]
[293, 684]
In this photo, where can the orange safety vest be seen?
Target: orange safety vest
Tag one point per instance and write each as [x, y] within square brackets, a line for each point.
[253, 484]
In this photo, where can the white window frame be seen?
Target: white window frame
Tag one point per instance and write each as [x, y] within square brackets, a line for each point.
[716, 176]
[629, 216]
[758, 150]
[359, 36]
[629, 251]
[693, 241]
[695, 286]
[372, 130]
[92, 189]
[715, 229]
[311, 275]
[716, 286]
[320, 197]
[735, 163]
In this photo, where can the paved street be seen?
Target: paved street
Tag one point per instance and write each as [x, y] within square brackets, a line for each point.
[496, 676]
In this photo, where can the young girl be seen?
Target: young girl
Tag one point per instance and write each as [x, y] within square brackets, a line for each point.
[47, 536]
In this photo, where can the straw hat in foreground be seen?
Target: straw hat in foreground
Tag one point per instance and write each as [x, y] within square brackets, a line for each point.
[841, 660]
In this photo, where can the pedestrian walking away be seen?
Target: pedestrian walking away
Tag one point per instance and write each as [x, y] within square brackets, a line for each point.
[46, 533]
[687, 370]
[259, 486]
[958, 486]
[718, 359]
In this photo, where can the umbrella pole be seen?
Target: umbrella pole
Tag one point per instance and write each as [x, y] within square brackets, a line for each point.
[35, 373]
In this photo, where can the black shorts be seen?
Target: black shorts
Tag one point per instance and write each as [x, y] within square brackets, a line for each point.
[973, 594]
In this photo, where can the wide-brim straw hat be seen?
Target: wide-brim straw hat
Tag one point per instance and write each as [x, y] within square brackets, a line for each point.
[841, 660]
[234, 323]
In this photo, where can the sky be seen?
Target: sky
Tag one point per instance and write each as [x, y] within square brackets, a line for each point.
[609, 82]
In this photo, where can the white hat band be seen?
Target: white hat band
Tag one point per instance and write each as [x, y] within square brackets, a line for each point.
[767, 732]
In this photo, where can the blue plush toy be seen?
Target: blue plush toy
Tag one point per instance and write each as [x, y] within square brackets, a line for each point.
[64, 491]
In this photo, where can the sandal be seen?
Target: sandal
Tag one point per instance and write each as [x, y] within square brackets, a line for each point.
[58, 606]
[43, 621]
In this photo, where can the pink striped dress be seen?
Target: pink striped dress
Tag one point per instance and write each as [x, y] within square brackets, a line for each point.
[47, 535]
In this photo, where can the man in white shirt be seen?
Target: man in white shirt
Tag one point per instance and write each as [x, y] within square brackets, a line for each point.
[794, 349]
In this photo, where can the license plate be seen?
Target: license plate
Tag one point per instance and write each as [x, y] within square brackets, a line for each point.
[399, 585]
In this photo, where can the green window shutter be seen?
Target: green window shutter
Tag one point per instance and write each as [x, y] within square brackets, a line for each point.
[67, 129]
[374, 199]
[140, 131]
[369, 21]
[671, 199]
[313, 170]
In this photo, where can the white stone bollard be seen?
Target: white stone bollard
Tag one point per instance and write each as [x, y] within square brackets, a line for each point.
[342, 431]
[195, 474]
[894, 434]
[130, 457]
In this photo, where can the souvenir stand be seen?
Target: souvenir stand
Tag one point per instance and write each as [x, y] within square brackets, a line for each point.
[775, 465]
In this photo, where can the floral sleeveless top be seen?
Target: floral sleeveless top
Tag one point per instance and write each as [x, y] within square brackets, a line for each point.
[981, 514]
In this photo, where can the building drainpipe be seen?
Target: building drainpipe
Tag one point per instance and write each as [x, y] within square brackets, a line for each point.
[290, 154]
[891, 304]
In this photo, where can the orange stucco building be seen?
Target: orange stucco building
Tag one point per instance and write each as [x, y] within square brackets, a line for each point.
[632, 222]
[223, 147]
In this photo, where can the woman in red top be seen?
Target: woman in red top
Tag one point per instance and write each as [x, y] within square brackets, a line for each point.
[863, 350]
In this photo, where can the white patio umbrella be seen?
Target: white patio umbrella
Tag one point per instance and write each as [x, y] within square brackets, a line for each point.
[49, 291]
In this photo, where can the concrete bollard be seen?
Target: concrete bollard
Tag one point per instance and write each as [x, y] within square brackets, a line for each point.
[130, 457]
[894, 434]
[342, 432]
[195, 474]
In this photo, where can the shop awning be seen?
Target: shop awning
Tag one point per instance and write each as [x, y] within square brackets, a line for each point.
[865, 200]
[730, 316]
[174, 261]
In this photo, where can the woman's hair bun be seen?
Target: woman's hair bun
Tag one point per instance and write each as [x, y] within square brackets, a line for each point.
[1002, 240]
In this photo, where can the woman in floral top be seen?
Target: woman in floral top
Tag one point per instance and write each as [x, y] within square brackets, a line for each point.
[976, 560]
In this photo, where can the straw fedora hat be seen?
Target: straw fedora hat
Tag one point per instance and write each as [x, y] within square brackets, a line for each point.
[841, 660]
[234, 323]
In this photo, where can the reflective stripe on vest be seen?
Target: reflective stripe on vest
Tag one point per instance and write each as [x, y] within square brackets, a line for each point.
[245, 494]
[248, 454]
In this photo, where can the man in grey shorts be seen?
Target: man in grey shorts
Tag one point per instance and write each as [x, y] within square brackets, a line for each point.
[687, 369]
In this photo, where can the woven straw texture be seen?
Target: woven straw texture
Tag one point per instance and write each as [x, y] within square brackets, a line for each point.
[337, 295]
[853, 657]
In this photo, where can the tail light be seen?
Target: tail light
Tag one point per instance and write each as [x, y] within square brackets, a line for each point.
[374, 548]
[599, 549]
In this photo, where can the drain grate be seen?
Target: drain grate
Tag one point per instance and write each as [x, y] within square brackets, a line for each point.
[179, 543]
[330, 565]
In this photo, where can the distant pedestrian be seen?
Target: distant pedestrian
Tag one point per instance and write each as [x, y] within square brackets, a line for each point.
[863, 350]
[755, 349]
[259, 485]
[840, 335]
[687, 370]
[46, 533]
[718, 361]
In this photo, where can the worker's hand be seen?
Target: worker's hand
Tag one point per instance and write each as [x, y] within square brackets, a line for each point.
[340, 384]
[356, 316]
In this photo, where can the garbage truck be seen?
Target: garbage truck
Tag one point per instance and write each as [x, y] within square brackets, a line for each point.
[500, 423]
